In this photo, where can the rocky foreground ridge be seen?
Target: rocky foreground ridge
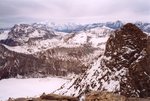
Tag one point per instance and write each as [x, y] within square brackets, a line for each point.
[92, 96]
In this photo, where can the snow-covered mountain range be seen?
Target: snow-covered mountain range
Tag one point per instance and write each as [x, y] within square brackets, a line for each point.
[104, 55]
[72, 27]
[39, 36]
[30, 39]
[49, 52]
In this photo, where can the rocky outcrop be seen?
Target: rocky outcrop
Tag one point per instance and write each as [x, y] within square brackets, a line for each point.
[58, 97]
[104, 96]
[48, 97]
[123, 68]
[107, 96]
[92, 96]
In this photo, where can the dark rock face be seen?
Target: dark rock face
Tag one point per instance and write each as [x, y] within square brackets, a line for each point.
[123, 68]
[13, 63]
[9, 42]
[148, 51]
[127, 48]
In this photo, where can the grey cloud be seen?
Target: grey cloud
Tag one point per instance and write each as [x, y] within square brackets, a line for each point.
[73, 10]
[10, 21]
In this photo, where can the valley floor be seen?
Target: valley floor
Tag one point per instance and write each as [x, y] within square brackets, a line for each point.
[31, 87]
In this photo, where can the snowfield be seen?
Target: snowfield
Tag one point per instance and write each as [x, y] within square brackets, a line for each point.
[4, 35]
[32, 87]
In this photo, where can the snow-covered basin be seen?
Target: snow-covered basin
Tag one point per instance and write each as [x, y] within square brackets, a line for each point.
[31, 87]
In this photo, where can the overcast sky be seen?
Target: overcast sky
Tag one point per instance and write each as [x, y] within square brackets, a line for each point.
[79, 11]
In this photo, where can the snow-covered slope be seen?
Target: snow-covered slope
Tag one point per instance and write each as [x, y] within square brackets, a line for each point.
[95, 37]
[4, 35]
[123, 68]
[35, 46]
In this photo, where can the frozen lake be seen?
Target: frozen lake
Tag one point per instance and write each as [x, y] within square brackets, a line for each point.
[31, 87]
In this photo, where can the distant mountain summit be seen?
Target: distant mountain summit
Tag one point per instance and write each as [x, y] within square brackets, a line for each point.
[25, 33]
[124, 68]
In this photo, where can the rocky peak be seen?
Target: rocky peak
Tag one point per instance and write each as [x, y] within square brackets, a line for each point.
[129, 36]
[26, 34]
[20, 30]
[127, 49]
